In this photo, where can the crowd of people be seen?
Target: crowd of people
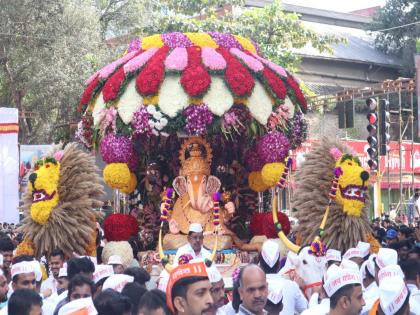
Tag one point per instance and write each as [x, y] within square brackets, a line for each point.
[354, 282]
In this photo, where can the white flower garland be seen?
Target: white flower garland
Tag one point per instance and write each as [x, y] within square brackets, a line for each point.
[172, 97]
[98, 106]
[129, 102]
[218, 99]
[260, 104]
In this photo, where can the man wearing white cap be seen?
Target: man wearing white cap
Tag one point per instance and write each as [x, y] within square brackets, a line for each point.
[344, 288]
[102, 272]
[217, 290]
[355, 255]
[274, 304]
[385, 257]
[116, 262]
[117, 282]
[194, 247]
[393, 298]
[24, 276]
[333, 257]
[364, 249]
[370, 288]
[293, 298]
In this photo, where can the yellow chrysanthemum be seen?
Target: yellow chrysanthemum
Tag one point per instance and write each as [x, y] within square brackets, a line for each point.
[154, 41]
[256, 183]
[271, 173]
[202, 40]
[117, 175]
[131, 185]
[246, 43]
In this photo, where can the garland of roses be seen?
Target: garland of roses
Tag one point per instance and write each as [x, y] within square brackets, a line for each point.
[195, 79]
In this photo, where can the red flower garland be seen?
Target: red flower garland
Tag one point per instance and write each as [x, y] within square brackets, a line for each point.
[262, 224]
[120, 227]
[298, 93]
[150, 78]
[276, 84]
[87, 94]
[237, 75]
[113, 85]
[195, 79]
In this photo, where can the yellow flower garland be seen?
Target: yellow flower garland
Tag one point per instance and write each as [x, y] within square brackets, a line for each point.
[117, 175]
[131, 185]
[154, 41]
[256, 183]
[202, 40]
[246, 43]
[271, 173]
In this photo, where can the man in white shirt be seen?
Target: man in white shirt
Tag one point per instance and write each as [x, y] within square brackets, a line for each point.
[293, 298]
[194, 247]
[55, 262]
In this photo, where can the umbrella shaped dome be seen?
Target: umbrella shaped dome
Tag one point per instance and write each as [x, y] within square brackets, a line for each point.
[194, 74]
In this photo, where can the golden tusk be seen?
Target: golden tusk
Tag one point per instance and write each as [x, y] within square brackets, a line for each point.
[293, 247]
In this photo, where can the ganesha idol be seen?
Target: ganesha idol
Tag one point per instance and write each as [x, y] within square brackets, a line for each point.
[195, 187]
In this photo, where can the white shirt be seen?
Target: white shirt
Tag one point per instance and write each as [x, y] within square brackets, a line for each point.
[370, 295]
[322, 308]
[187, 249]
[227, 309]
[293, 298]
[414, 298]
[49, 283]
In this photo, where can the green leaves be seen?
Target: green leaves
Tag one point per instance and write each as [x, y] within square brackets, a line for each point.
[276, 32]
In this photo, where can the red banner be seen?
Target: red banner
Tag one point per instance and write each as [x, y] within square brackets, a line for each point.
[359, 148]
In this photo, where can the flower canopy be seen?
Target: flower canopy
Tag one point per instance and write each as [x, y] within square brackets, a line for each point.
[189, 79]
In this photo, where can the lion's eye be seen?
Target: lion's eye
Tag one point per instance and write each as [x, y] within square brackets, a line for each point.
[349, 163]
[47, 166]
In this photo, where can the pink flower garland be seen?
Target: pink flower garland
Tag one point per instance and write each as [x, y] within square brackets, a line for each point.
[251, 62]
[177, 59]
[140, 60]
[212, 59]
[107, 70]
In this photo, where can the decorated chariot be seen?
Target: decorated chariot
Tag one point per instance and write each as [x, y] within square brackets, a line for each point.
[200, 128]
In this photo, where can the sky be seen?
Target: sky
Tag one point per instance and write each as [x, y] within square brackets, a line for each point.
[337, 5]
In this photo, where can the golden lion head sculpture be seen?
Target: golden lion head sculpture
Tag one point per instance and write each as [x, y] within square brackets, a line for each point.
[63, 192]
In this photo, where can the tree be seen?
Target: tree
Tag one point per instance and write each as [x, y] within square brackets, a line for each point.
[278, 33]
[48, 49]
[397, 29]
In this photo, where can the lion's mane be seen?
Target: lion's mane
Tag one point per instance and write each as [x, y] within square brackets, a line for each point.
[71, 226]
[313, 180]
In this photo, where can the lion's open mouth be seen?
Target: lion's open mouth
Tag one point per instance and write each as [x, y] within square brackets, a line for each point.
[354, 192]
[41, 195]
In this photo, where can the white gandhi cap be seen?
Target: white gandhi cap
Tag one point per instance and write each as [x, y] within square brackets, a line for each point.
[195, 228]
[337, 277]
[392, 294]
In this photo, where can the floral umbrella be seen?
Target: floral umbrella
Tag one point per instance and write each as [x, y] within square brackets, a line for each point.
[193, 83]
